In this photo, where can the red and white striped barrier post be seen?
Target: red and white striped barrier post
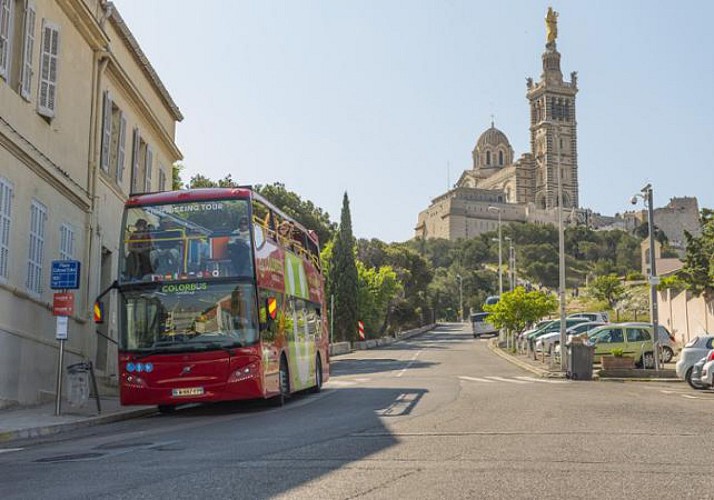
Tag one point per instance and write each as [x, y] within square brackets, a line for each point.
[360, 330]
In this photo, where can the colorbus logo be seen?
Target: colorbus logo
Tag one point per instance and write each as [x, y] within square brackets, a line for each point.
[184, 288]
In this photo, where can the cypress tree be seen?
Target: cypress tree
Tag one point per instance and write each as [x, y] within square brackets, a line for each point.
[343, 274]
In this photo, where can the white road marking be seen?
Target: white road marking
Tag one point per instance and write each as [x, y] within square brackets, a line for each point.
[8, 450]
[342, 383]
[476, 379]
[509, 380]
[544, 380]
[403, 370]
[688, 396]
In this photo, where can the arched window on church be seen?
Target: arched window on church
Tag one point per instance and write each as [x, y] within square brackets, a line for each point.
[567, 110]
[488, 158]
[500, 157]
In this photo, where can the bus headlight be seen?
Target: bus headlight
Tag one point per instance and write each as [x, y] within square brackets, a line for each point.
[247, 372]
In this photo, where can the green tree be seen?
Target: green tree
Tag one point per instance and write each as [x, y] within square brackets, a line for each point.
[698, 271]
[343, 282]
[377, 289]
[517, 309]
[176, 182]
[607, 288]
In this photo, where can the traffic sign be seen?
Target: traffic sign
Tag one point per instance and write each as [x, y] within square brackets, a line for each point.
[61, 332]
[65, 275]
[63, 304]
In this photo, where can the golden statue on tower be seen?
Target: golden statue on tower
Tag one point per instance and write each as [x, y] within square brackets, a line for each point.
[551, 25]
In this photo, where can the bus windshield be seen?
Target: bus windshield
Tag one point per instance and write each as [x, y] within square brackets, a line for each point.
[189, 316]
[192, 240]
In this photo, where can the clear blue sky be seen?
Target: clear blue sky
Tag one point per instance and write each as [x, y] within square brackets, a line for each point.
[376, 98]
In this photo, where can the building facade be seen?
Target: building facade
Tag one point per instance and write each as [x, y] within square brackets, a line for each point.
[85, 121]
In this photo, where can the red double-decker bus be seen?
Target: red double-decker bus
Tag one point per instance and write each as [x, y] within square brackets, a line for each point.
[221, 298]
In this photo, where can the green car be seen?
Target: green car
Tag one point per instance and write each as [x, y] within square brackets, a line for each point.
[634, 340]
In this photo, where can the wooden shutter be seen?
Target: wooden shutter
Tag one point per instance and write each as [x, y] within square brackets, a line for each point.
[27, 50]
[48, 69]
[4, 37]
[121, 147]
[106, 132]
[5, 220]
[148, 166]
[136, 138]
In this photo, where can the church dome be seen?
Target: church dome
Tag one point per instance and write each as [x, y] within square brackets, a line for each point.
[492, 137]
[492, 151]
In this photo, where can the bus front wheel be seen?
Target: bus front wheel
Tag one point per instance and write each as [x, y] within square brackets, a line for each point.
[283, 383]
[318, 375]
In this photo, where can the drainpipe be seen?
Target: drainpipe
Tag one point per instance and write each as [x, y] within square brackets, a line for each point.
[100, 63]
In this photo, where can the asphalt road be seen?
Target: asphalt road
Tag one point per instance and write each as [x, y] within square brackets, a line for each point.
[437, 416]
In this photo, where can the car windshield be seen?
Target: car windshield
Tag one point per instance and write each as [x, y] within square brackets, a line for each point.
[189, 316]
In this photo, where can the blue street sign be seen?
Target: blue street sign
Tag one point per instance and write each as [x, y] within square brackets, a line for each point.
[65, 275]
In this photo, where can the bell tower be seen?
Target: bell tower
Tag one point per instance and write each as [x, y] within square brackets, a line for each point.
[553, 127]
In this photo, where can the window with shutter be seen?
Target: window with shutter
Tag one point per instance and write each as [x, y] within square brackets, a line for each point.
[148, 168]
[66, 250]
[106, 132]
[48, 69]
[121, 147]
[135, 139]
[27, 48]
[5, 16]
[38, 218]
[162, 178]
[5, 220]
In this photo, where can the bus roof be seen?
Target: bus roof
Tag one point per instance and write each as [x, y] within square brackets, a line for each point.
[206, 194]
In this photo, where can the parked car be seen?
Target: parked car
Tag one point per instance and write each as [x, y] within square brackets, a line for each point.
[481, 326]
[635, 340]
[693, 351]
[491, 300]
[549, 340]
[695, 378]
[591, 316]
[666, 341]
[706, 379]
[554, 326]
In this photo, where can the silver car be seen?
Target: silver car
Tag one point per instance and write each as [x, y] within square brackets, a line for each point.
[693, 351]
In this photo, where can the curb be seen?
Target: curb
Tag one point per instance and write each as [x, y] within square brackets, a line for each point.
[52, 429]
[538, 371]
[624, 379]
[341, 349]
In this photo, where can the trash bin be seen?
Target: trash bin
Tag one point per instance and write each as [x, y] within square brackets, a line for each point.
[580, 361]
[78, 387]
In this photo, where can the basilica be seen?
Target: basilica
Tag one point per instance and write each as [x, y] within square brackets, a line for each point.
[499, 187]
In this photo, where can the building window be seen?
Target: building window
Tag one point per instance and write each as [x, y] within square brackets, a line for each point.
[28, 46]
[113, 154]
[49, 61]
[5, 24]
[142, 162]
[162, 178]
[66, 249]
[488, 158]
[38, 219]
[500, 158]
[5, 220]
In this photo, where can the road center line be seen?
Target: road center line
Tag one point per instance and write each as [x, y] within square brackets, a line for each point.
[403, 370]
[476, 379]
[509, 380]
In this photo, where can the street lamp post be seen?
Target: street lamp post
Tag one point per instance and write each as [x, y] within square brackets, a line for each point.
[561, 246]
[646, 194]
[461, 297]
[511, 263]
[500, 253]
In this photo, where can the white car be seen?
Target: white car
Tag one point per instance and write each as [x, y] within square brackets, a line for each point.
[591, 316]
[693, 351]
[550, 340]
[707, 376]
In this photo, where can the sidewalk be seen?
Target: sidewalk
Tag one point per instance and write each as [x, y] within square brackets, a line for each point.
[541, 369]
[29, 422]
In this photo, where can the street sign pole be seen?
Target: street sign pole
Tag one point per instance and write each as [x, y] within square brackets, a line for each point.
[65, 276]
[61, 336]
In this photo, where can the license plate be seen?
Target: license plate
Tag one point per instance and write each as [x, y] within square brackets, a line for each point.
[188, 391]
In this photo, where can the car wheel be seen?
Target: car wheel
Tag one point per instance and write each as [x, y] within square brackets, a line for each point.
[692, 383]
[667, 354]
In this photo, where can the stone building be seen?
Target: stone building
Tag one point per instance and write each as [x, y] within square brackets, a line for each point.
[527, 187]
[84, 121]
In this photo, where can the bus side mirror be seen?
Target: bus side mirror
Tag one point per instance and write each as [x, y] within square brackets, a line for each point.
[98, 312]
